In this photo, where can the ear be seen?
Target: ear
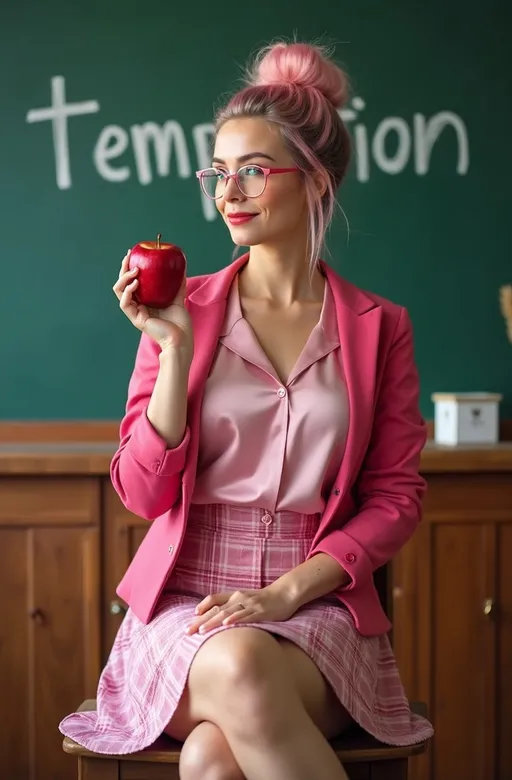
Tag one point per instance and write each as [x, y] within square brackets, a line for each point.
[319, 180]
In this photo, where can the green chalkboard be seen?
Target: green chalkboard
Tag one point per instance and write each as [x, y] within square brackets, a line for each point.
[427, 197]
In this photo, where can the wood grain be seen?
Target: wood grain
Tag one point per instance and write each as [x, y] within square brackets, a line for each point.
[94, 458]
[108, 430]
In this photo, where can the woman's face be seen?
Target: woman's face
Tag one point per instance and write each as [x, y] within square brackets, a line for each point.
[281, 210]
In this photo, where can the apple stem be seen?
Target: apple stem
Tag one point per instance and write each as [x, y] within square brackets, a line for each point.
[159, 236]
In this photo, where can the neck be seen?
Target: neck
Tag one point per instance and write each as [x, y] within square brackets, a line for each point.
[280, 275]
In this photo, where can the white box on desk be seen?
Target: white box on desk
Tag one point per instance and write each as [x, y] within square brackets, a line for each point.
[466, 418]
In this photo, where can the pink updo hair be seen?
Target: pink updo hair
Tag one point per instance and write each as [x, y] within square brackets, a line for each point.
[299, 88]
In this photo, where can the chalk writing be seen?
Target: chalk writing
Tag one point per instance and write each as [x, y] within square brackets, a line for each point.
[420, 139]
[59, 112]
[414, 140]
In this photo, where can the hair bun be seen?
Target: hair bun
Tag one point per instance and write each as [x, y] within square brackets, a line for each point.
[302, 65]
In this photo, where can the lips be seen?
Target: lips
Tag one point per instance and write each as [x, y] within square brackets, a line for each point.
[239, 218]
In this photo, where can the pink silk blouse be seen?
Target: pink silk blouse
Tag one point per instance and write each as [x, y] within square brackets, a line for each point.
[264, 443]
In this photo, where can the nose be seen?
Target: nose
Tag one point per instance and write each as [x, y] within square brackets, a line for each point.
[232, 193]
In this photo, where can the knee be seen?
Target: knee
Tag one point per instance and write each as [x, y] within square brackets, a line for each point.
[206, 755]
[247, 661]
[245, 680]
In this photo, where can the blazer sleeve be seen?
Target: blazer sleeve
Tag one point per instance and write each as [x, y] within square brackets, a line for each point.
[389, 489]
[145, 473]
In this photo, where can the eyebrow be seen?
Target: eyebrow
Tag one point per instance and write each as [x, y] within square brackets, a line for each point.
[245, 157]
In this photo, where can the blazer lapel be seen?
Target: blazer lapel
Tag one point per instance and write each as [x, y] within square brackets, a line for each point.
[359, 324]
[207, 308]
[207, 324]
[359, 337]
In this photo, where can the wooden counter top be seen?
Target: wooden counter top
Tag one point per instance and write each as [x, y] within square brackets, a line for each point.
[65, 458]
[93, 458]
[483, 457]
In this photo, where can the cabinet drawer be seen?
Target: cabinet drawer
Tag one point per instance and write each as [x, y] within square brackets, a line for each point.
[49, 501]
[483, 496]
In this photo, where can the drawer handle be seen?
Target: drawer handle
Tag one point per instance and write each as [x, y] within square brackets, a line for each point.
[117, 608]
[488, 607]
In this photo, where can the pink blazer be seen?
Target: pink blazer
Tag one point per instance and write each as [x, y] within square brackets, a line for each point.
[375, 504]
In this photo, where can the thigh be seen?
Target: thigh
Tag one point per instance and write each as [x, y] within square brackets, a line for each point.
[227, 662]
[238, 659]
[319, 699]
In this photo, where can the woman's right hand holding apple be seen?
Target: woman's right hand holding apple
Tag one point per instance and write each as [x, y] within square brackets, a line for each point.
[171, 328]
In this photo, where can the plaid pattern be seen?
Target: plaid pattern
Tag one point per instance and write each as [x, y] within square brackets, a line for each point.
[227, 548]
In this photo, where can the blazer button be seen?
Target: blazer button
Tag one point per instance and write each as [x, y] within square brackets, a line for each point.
[156, 464]
[350, 557]
[171, 549]
[336, 492]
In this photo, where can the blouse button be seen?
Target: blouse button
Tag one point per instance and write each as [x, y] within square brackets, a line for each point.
[267, 519]
[350, 557]
[171, 549]
[281, 392]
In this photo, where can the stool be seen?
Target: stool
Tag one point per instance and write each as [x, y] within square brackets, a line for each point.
[363, 757]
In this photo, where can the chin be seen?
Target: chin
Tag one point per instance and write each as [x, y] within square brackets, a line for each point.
[245, 237]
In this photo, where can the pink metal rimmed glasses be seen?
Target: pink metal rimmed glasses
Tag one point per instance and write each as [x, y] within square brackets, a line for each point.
[251, 180]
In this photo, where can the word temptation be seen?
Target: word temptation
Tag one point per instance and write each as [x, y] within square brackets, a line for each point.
[393, 145]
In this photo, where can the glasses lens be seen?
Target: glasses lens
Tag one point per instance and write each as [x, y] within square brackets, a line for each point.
[252, 180]
[213, 183]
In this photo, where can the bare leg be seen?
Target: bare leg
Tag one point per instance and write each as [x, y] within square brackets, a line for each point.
[242, 681]
[206, 755]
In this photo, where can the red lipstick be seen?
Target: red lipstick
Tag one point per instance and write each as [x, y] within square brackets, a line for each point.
[240, 217]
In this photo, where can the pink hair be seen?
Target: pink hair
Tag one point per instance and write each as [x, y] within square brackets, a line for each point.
[299, 88]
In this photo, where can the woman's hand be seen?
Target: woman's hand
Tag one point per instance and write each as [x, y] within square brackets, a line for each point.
[170, 328]
[243, 606]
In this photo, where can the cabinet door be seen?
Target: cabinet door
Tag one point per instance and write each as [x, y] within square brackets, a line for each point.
[123, 533]
[454, 643]
[410, 607]
[49, 618]
[462, 636]
[404, 635]
[503, 618]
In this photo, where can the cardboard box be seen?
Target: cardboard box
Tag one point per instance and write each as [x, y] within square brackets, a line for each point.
[466, 418]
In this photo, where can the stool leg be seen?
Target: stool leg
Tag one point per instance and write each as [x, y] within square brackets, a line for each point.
[389, 770]
[98, 768]
[359, 770]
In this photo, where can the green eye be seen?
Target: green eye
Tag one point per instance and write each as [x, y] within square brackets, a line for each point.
[253, 170]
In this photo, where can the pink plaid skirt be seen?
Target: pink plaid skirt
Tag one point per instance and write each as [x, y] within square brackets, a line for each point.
[231, 548]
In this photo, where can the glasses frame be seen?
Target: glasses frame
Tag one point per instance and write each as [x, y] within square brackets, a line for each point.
[267, 172]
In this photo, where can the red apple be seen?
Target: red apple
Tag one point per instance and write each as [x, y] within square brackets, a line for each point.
[161, 271]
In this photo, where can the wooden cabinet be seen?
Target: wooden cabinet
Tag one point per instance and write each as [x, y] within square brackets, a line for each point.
[66, 540]
[49, 617]
[123, 532]
[452, 604]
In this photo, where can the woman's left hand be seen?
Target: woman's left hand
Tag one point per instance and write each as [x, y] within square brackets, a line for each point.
[243, 606]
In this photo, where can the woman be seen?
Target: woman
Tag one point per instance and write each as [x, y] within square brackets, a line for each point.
[272, 435]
